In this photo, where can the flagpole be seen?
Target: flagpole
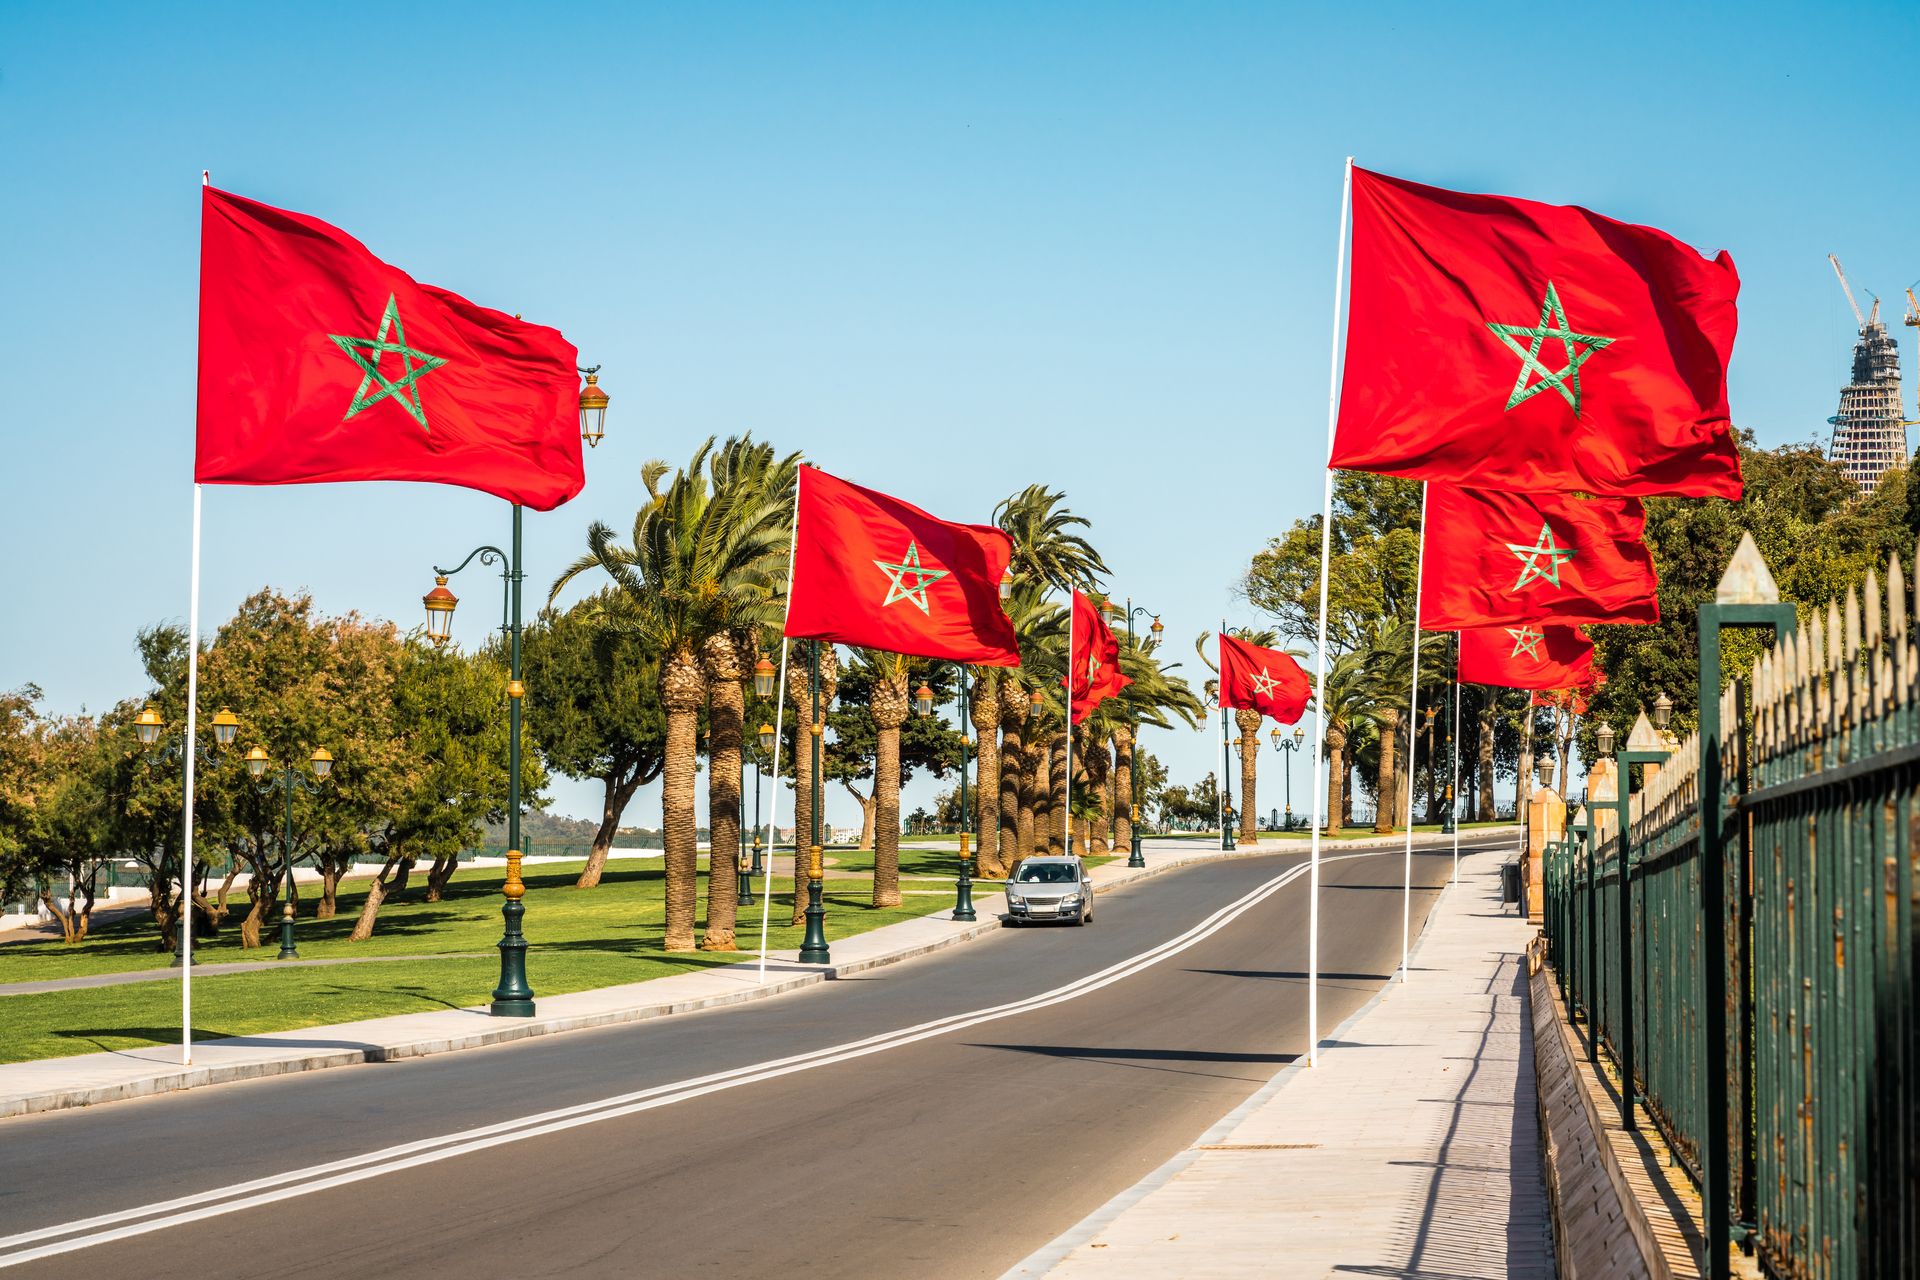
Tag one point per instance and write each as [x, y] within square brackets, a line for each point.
[188, 755]
[773, 807]
[779, 722]
[1067, 817]
[1458, 733]
[1320, 652]
[1413, 738]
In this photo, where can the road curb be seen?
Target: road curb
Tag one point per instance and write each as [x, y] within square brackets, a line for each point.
[166, 1079]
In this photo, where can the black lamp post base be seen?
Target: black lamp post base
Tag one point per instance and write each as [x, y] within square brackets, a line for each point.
[1134, 857]
[287, 950]
[745, 894]
[963, 890]
[513, 998]
[813, 943]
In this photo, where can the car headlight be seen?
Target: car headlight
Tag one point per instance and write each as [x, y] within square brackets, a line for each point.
[1071, 900]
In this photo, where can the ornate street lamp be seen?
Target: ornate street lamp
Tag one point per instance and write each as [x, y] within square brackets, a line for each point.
[766, 736]
[1135, 858]
[593, 408]
[225, 726]
[1288, 746]
[763, 674]
[147, 726]
[1603, 738]
[440, 604]
[923, 700]
[923, 706]
[286, 781]
[1662, 711]
[1155, 632]
[1543, 770]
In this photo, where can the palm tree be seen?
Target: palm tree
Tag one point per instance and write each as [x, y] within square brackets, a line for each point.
[708, 559]
[888, 705]
[1156, 698]
[1045, 547]
[983, 710]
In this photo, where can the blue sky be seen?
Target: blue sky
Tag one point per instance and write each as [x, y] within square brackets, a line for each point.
[945, 250]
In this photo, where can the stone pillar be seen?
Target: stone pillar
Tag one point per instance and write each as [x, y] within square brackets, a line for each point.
[1546, 820]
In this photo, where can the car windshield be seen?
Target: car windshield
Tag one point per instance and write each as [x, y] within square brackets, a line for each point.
[1045, 873]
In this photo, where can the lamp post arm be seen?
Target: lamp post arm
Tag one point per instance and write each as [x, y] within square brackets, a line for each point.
[491, 555]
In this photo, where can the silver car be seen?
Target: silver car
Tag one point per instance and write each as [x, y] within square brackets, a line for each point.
[1050, 888]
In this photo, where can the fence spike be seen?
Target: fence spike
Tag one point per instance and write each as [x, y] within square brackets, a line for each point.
[1896, 597]
[1873, 603]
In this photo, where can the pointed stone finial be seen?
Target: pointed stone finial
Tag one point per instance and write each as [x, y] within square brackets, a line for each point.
[1643, 737]
[1747, 579]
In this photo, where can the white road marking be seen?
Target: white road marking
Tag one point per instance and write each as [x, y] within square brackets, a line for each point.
[105, 1228]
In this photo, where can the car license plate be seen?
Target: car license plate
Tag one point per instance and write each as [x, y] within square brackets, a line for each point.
[1043, 909]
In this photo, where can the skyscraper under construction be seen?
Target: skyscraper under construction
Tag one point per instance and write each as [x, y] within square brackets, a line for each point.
[1870, 430]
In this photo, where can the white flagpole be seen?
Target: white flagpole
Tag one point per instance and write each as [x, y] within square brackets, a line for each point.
[1458, 733]
[1067, 817]
[1321, 817]
[779, 721]
[186, 808]
[1413, 738]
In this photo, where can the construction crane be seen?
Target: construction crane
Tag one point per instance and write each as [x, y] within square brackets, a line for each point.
[1848, 290]
[1913, 307]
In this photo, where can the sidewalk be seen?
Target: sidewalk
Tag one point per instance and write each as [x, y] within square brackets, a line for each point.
[1412, 1150]
[55, 1083]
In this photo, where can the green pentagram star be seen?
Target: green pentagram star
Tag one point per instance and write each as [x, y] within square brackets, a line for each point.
[1525, 640]
[366, 353]
[1579, 346]
[909, 566]
[1531, 569]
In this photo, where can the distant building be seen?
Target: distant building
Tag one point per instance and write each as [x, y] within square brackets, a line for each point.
[1869, 431]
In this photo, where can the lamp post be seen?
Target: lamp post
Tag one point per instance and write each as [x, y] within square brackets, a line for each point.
[1134, 856]
[1287, 745]
[513, 998]
[286, 781]
[963, 883]
[813, 942]
[147, 728]
[1226, 781]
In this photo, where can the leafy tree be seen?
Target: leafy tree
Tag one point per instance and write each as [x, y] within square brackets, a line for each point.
[19, 773]
[1813, 529]
[592, 711]
[1372, 572]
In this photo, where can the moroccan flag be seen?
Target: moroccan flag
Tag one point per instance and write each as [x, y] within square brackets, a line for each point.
[1263, 680]
[1507, 344]
[1495, 558]
[869, 569]
[1095, 666]
[319, 362]
[1528, 657]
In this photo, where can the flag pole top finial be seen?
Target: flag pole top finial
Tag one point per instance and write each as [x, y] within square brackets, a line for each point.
[1747, 579]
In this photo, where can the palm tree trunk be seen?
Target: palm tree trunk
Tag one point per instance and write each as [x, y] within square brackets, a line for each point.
[681, 686]
[1336, 778]
[1523, 781]
[1384, 789]
[1249, 724]
[886, 795]
[1123, 788]
[1057, 794]
[889, 708]
[983, 709]
[800, 692]
[726, 710]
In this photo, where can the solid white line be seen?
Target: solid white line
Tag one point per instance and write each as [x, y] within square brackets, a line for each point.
[299, 1182]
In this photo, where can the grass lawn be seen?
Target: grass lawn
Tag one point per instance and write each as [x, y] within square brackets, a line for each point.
[580, 939]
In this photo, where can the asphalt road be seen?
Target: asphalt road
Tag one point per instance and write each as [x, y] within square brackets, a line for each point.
[954, 1150]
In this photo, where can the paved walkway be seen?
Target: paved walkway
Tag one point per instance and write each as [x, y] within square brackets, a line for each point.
[1412, 1150]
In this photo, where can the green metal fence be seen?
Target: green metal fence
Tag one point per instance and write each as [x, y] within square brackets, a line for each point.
[1760, 994]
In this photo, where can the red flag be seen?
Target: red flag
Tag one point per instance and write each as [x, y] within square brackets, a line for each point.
[319, 362]
[1263, 680]
[1507, 344]
[1496, 558]
[1527, 657]
[1095, 669]
[869, 569]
